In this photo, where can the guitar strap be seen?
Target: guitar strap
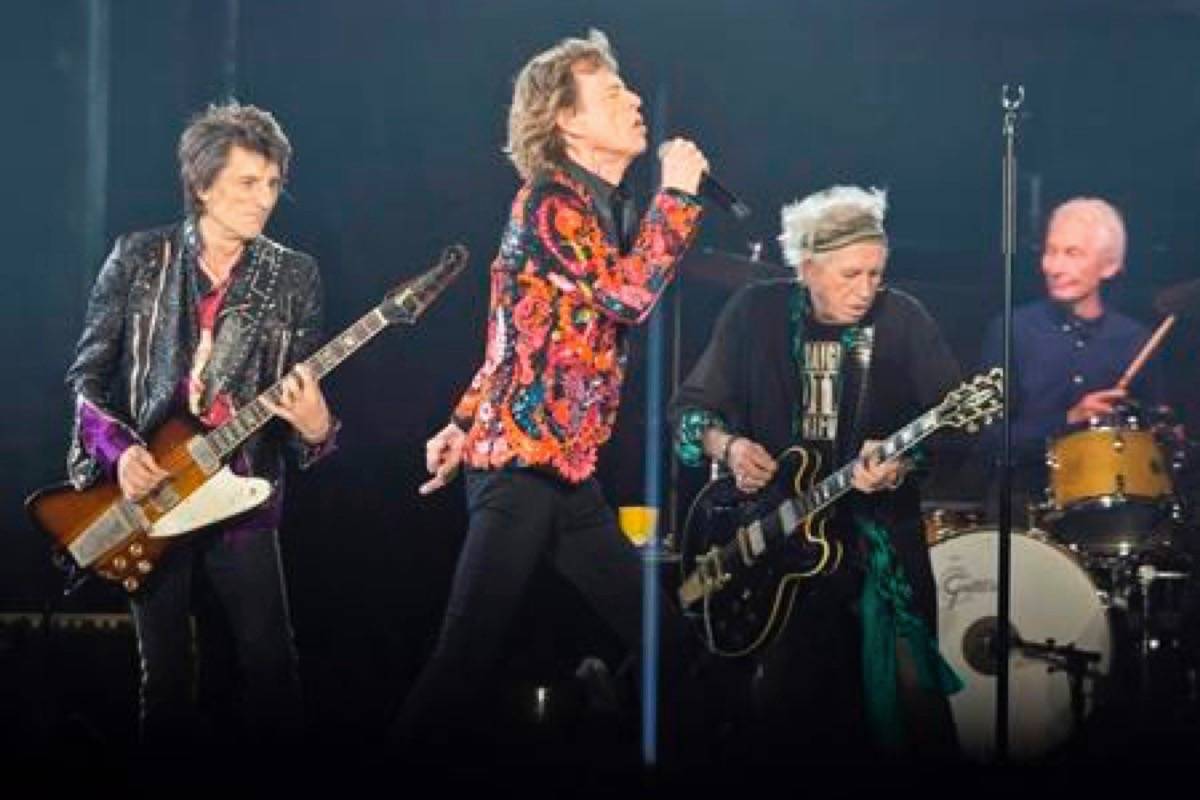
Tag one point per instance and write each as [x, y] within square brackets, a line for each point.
[858, 343]
[859, 350]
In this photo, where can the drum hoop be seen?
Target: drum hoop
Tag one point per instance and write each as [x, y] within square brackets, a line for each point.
[1137, 428]
[1105, 502]
[1037, 535]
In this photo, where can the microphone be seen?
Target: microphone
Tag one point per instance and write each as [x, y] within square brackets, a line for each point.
[711, 188]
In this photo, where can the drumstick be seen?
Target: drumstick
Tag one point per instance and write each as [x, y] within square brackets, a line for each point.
[1147, 350]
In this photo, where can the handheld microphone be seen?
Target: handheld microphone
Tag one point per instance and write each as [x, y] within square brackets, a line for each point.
[711, 188]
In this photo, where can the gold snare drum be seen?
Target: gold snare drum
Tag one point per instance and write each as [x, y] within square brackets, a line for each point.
[1108, 487]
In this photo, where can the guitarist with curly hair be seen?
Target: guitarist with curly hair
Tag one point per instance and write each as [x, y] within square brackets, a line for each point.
[832, 361]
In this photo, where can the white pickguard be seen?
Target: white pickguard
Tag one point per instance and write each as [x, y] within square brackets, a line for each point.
[222, 496]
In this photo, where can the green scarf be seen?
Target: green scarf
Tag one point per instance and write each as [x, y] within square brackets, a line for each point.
[886, 608]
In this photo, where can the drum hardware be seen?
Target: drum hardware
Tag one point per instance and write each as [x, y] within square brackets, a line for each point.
[1158, 628]
[1076, 663]
[941, 518]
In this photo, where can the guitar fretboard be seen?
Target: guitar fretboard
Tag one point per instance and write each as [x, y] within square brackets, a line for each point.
[404, 304]
[842, 481]
[252, 416]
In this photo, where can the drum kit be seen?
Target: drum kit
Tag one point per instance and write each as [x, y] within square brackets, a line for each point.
[1101, 583]
[1104, 601]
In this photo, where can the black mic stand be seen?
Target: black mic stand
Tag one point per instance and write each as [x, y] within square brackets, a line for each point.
[1010, 103]
[1071, 660]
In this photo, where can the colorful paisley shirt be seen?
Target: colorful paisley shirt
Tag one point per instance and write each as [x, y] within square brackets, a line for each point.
[562, 295]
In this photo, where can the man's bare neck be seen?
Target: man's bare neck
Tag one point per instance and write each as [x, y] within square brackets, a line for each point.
[219, 254]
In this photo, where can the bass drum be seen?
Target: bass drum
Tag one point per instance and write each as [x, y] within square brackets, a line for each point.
[1053, 598]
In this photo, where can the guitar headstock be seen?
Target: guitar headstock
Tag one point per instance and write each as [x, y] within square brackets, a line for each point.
[975, 403]
[408, 301]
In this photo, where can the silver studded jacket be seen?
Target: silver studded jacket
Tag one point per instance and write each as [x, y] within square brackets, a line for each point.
[140, 333]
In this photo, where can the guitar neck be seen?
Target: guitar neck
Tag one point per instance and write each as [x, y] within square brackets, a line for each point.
[249, 418]
[839, 483]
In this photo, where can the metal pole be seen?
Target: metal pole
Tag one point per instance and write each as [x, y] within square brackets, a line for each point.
[1010, 103]
[651, 551]
[229, 49]
[97, 50]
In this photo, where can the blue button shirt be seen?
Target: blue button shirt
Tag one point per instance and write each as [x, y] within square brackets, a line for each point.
[1057, 359]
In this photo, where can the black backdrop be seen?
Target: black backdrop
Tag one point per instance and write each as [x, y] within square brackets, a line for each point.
[397, 110]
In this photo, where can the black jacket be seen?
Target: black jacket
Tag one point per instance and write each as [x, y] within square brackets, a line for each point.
[748, 377]
[141, 331]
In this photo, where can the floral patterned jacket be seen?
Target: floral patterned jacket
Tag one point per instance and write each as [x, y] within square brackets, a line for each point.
[562, 296]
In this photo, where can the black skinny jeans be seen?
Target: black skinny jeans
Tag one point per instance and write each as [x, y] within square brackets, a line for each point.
[244, 571]
[518, 519]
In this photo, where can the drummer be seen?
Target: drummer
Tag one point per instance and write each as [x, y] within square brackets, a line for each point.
[1070, 349]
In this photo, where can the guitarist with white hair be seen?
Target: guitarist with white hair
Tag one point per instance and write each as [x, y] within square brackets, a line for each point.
[833, 361]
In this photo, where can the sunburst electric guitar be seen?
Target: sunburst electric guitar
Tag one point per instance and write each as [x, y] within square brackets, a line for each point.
[742, 557]
[121, 540]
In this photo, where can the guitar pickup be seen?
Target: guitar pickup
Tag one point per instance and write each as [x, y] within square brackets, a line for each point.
[163, 499]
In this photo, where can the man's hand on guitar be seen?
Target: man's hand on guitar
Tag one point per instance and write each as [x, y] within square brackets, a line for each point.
[302, 403]
[443, 457]
[752, 466]
[872, 475]
[138, 473]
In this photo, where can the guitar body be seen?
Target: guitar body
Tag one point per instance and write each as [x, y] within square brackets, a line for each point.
[123, 541]
[753, 595]
[743, 557]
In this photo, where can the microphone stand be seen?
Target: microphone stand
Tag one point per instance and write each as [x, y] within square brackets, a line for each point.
[1071, 660]
[1010, 103]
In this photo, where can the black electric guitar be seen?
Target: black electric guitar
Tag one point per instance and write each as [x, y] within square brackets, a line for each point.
[122, 540]
[742, 556]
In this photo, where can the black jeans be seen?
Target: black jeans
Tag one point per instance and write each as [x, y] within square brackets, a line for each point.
[809, 693]
[519, 519]
[242, 569]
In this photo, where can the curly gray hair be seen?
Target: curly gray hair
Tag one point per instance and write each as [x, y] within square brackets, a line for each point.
[831, 219]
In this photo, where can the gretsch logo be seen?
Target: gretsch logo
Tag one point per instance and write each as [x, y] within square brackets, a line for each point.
[958, 582]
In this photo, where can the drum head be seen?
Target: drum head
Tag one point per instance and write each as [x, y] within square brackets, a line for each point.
[1052, 598]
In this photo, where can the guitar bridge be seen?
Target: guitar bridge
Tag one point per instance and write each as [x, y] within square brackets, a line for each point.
[708, 577]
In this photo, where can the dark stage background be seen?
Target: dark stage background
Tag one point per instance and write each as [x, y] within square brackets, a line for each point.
[397, 112]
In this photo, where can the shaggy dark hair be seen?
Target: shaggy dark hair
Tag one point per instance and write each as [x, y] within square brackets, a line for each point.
[205, 143]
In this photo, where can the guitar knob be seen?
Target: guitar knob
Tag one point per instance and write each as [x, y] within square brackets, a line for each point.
[131, 584]
[135, 550]
[119, 563]
[144, 566]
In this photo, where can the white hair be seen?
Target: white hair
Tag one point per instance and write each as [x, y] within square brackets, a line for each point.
[829, 219]
[1102, 215]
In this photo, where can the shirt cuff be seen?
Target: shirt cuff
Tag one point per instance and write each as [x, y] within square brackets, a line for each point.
[103, 437]
[312, 453]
